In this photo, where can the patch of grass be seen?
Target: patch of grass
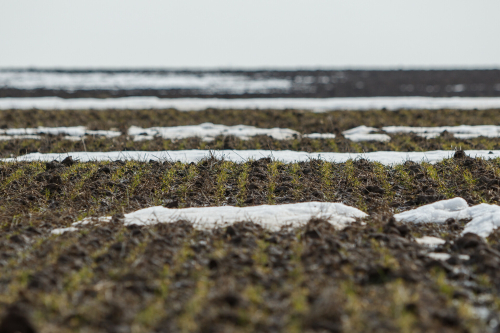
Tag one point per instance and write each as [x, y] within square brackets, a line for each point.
[189, 174]
[242, 183]
[327, 177]
[224, 169]
[273, 173]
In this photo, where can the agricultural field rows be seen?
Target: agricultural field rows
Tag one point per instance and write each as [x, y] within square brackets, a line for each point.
[172, 277]
[374, 274]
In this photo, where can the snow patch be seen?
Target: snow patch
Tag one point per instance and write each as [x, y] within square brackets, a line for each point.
[71, 131]
[430, 241]
[207, 82]
[446, 256]
[364, 133]
[319, 136]
[209, 131]
[484, 217]
[75, 131]
[460, 132]
[240, 156]
[60, 231]
[272, 217]
[198, 104]
[437, 212]
[19, 137]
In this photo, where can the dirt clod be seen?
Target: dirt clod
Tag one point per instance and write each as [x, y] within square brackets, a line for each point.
[16, 321]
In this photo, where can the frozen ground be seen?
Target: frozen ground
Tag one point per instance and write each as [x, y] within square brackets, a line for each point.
[198, 104]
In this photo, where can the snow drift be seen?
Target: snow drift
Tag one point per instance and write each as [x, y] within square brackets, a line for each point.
[272, 217]
[484, 218]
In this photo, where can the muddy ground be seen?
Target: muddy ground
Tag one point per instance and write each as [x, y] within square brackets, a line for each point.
[58, 144]
[304, 122]
[314, 84]
[370, 277]
[61, 192]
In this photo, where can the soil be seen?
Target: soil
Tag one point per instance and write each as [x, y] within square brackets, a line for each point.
[58, 144]
[304, 122]
[314, 84]
[370, 277]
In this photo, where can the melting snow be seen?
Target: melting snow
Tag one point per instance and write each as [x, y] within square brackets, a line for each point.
[19, 137]
[437, 212]
[446, 256]
[197, 104]
[272, 217]
[209, 131]
[460, 132]
[207, 82]
[60, 231]
[430, 241]
[319, 136]
[72, 131]
[484, 218]
[75, 131]
[240, 156]
[205, 131]
[363, 133]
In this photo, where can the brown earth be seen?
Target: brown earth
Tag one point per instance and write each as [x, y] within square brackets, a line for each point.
[58, 144]
[302, 121]
[369, 277]
[55, 194]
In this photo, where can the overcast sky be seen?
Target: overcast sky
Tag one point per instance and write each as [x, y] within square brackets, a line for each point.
[251, 33]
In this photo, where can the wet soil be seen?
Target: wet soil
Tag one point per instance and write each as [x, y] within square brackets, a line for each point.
[302, 121]
[54, 194]
[406, 143]
[369, 277]
[314, 84]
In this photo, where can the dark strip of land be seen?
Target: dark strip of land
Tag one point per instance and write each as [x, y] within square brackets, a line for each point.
[309, 84]
[302, 121]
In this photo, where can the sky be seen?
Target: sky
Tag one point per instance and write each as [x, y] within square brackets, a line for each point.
[251, 34]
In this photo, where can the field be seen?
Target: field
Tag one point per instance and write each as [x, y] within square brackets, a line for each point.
[379, 273]
[264, 83]
[369, 277]
[304, 122]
